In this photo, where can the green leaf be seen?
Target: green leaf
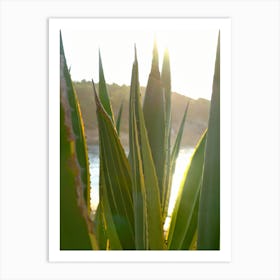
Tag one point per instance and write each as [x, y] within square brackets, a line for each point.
[99, 227]
[154, 114]
[209, 208]
[172, 163]
[167, 176]
[146, 199]
[75, 225]
[119, 119]
[184, 217]
[115, 183]
[166, 84]
[176, 147]
[103, 91]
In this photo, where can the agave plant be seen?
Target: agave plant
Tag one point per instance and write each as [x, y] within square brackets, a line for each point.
[134, 190]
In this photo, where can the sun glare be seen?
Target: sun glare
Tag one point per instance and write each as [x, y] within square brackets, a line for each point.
[192, 56]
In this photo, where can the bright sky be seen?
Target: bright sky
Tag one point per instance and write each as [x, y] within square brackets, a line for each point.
[192, 56]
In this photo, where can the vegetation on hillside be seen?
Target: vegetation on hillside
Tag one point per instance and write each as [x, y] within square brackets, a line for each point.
[196, 122]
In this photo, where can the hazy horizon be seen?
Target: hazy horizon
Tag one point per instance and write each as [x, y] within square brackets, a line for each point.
[142, 86]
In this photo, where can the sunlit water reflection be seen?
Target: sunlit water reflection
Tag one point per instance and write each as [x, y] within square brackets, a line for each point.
[182, 162]
[181, 165]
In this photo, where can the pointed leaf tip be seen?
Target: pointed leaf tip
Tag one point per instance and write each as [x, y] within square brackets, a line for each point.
[135, 53]
[155, 55]
[100, 63]
[95, 93]
[103, 91]
[99, 57]
[166, 52]
[61, 44]
[155, 43]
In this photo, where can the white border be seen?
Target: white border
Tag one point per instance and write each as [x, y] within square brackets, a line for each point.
[255, 105]
[224, 254]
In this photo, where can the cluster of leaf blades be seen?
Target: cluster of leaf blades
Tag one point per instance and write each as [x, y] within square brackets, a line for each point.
[76, 229]
[134, 190]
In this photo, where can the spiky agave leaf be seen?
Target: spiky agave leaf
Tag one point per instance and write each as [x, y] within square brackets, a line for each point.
[209, 207]
[177, 144]
[118, 124]
[103, 91]
[154, 114]
[146, 199]
[184, 217]
[99, 228]
[115, 187]
[167, 176]
[75, 225]
[172, 162]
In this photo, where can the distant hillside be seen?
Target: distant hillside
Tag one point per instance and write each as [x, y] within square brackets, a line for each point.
[196, 123]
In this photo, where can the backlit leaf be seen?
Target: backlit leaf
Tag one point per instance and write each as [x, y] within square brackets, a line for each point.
[75, 225]
[115, 183]
[167, 176]
[172, 162]
[209, 207]
[103, 91]
[184, 217]
[118, 124]
[146, 199]
[154, 115]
